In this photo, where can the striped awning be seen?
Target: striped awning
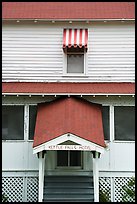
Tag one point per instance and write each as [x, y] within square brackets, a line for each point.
[75, 38]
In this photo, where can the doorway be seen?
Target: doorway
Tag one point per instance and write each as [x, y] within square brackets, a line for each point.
[69, 159]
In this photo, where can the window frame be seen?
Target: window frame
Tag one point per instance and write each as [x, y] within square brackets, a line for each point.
[25, 122]
[65, 73]
[114, 139]
[16, 140]
[112, 124]
[70, 167]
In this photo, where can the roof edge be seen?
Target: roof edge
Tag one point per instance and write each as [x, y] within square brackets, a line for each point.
[69, 19]
[67, 88]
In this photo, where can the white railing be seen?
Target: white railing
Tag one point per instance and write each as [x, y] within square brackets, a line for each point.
[20, 189]
[113, 187]
[24, 188]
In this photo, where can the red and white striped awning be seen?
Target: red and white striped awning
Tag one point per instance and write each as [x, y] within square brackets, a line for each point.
[75, 38]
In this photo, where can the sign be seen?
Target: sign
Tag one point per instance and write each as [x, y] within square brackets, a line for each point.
[70, 147]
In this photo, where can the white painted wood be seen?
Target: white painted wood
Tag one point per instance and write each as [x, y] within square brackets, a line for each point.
[31, 158]
[34, 52]
[13, 155]
[125, 154]
[70, 147]
[26, 122]
[74, 74]
[119, 157]
[17, 155]
[41, 176]
[112, 188]
[27, 161]
[20, 173]
[111, 115]
[116, 173]
[96, 177]
[104, 161]
[63, 138]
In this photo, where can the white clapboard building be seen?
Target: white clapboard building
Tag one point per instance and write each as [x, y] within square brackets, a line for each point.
[68, 105]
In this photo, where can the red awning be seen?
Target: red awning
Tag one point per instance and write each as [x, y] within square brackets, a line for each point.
[69, 115]
[75, 38]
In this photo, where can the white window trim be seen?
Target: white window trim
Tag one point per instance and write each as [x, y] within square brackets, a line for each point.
[24, 140]
[112, 125]
[111, 122]
[26, 122]
[74, 74]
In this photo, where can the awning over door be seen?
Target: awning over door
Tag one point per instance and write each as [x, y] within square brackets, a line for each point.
[75, 38]
[69, 115]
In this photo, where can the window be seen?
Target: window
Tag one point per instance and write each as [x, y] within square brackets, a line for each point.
[75, 48]
[75, 61]
[68, 158]
[12, 122]
[32, 121]
[106, 126]
[124, 120]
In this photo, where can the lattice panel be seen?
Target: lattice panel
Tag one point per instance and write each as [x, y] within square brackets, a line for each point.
[12, 187]
[105, 186]
[32, 189]
[22, 189]
[119, 192]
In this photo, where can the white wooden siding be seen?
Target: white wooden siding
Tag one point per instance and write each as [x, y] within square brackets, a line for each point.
[111, 52]
[120, 156]
[34, 52]
[20, 157]
[117, 158]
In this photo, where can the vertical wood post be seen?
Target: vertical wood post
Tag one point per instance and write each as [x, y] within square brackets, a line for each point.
[41, 175]
[96, 177]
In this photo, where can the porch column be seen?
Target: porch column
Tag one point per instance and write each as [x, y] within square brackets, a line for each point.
[96, 176]
[41, 174]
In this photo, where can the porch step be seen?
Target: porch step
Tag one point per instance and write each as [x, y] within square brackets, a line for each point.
[68, 189]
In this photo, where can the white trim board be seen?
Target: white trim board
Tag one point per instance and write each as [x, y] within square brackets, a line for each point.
[84, 145]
